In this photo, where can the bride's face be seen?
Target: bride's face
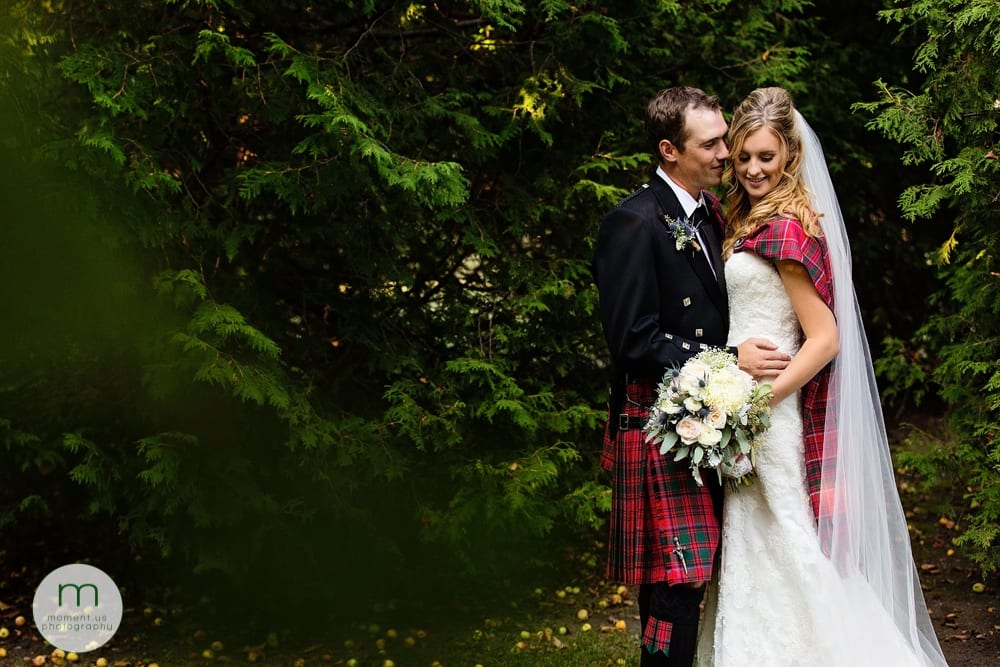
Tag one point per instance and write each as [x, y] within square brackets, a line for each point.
[759, 165]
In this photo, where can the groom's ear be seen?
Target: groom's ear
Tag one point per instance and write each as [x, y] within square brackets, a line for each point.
[668, 152]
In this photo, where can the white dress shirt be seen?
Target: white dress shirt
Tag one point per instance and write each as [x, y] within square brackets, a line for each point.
[689, 204]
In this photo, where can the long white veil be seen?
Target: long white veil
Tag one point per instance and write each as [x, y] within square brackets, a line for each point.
[861, 523]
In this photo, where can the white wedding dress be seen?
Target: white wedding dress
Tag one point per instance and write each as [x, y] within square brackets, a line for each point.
[777, 601]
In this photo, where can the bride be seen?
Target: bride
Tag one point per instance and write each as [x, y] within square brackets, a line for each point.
[816, 568]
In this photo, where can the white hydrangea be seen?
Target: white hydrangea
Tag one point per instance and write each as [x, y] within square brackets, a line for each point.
[729, 389]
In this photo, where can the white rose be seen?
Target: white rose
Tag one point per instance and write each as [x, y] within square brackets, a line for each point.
[709, 437]
[716, 417]
[689, 429]
[664, 403]
[692, 404]
[671, 408]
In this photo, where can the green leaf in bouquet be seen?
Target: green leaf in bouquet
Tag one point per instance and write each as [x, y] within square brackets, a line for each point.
[669, 439]
[741, 437]
[699, 454]
[682, 453]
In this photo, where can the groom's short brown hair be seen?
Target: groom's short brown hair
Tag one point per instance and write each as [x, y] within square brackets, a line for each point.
[665, 115]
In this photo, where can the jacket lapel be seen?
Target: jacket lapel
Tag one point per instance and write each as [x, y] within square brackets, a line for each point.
[715, 233]
[699, 263]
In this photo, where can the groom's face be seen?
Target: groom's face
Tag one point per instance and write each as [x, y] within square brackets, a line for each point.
[699, 165]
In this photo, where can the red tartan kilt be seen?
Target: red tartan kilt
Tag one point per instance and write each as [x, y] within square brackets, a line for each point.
[656, 507]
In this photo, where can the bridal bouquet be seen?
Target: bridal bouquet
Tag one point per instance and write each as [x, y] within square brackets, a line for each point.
[711, 413]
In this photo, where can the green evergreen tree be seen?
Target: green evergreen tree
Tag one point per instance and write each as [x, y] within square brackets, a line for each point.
[949, 126]
[349, 291]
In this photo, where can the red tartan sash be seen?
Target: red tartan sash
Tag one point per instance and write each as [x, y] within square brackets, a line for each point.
[785, 239]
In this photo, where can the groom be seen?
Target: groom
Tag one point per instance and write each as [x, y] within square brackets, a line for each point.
[659, 273]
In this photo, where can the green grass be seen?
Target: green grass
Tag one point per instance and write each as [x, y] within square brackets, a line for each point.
[541, 635]
[566, 616]
[547, 610]
[540, 629]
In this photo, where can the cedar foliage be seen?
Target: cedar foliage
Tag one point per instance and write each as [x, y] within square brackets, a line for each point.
[331, 261]
[949, 127]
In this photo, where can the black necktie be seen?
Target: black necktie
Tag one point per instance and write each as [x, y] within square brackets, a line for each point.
[699, 215]
[700, 218]
[700, 221]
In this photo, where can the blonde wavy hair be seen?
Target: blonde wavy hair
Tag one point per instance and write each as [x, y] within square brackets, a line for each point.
[769, 108]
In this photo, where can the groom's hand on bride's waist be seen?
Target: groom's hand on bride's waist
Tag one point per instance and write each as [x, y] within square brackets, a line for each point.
[761, 358]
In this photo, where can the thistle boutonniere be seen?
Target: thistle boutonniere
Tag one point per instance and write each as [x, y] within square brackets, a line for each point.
[683, 231]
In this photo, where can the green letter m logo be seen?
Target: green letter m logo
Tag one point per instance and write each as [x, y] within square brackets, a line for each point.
[78, 589]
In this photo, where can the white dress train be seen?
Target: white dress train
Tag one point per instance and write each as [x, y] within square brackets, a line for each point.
[777, 601]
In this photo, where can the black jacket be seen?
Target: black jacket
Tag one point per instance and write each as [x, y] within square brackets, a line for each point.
[659, 305]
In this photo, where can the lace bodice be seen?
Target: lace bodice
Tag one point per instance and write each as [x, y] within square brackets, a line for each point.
[758, 304]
